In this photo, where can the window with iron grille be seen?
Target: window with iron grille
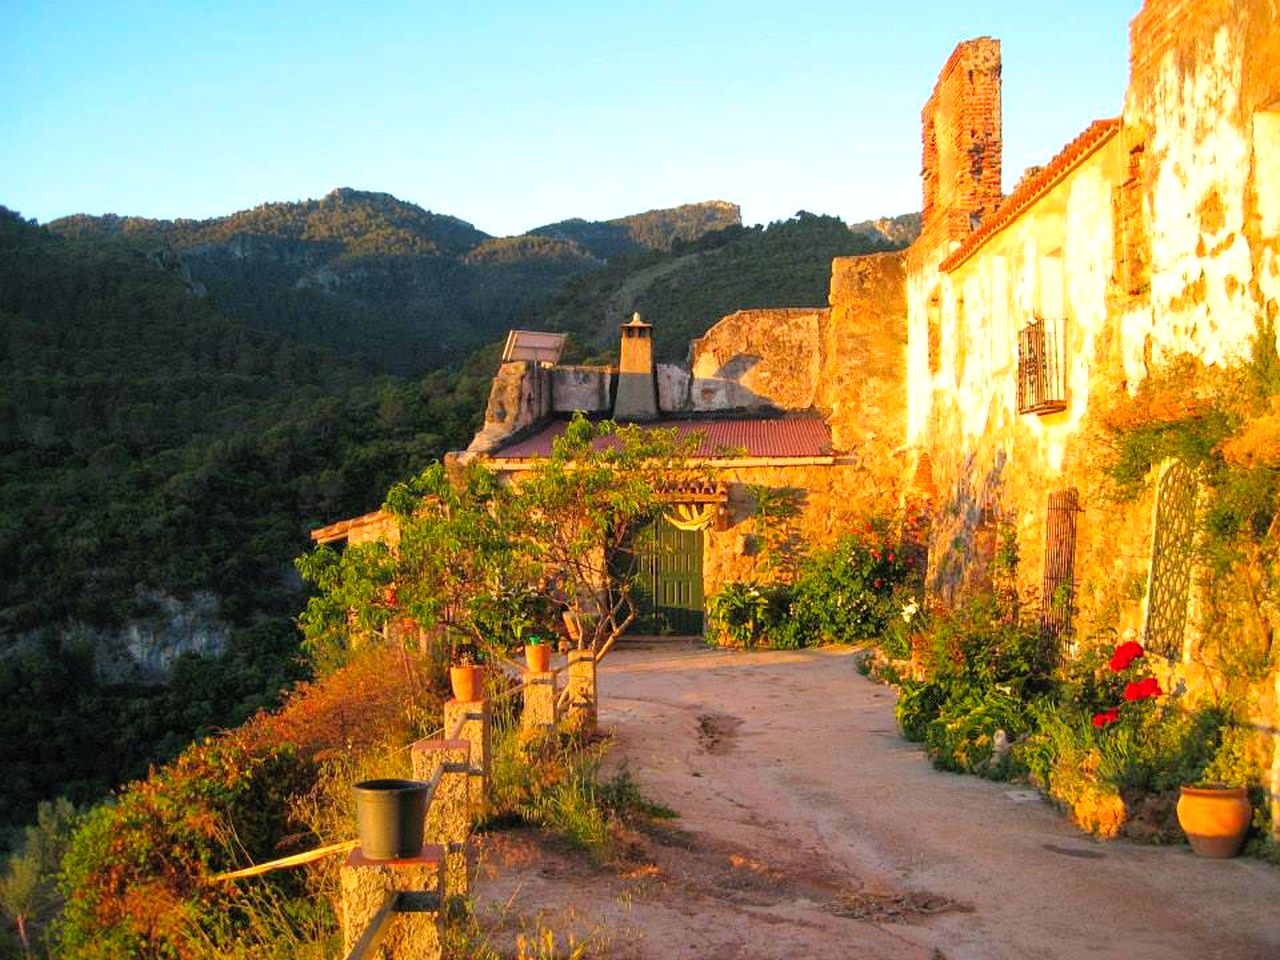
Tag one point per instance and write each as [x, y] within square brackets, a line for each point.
[1040, 382]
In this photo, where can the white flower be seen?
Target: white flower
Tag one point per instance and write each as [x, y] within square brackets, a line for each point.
[910, 610]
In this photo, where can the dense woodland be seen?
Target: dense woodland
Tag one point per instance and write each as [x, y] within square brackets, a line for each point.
[168, 429]
[385, 281]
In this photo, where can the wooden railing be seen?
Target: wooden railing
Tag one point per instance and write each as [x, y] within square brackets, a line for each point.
[394, 908]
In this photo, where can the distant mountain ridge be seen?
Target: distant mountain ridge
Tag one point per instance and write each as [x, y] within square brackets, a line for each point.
[376, 277]
[652, 230]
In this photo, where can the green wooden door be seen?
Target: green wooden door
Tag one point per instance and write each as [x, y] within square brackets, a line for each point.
[668, 585]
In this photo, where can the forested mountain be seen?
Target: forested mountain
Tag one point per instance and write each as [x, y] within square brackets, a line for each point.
[683, 292]
[157, 457]
[654, 230]
[385, 281]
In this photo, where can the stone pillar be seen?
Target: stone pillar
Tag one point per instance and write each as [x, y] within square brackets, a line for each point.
[470, 720]
[448, 816]
[582, 690]
[539, 703]
[415, 930]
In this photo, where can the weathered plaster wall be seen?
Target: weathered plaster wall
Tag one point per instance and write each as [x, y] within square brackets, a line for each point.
[589, 389]
[758, 359]
[1201, 109]
[991, 464]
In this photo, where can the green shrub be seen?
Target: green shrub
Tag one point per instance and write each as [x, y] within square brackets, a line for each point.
[984, 672]
[844, 595]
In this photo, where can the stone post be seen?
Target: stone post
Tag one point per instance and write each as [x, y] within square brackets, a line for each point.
[539, 703]
[415, 931]
[448, 816]
[582, 690]
[470, 720]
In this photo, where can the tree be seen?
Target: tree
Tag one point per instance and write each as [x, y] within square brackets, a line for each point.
[583, 505]
[475, 554]
[28, 886]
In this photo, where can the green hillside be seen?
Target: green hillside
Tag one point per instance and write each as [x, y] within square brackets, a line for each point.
[653, 230]
[684, 292]
[382, 281]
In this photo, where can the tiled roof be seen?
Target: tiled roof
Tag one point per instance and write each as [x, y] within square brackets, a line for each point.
[784, 437]
[1035, 187]
[342, 530]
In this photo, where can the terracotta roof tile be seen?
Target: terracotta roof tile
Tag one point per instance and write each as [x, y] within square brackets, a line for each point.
[785, 437]
[1035, 187]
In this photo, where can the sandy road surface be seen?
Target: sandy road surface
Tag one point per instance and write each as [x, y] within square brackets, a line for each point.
[809, 829]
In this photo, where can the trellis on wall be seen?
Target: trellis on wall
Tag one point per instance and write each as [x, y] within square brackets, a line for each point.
[1057, 596]
[1172, 560]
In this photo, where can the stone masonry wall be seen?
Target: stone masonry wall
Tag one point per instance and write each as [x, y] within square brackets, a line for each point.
[862, 375]
[833, 497]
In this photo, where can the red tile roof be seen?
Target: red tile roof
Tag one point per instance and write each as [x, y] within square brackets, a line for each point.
[785, 437]
[1035, 187]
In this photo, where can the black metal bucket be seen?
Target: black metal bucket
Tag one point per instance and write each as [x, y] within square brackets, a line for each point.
[391, 814]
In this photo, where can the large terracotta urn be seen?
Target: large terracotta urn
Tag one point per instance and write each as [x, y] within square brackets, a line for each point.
[1215, 818]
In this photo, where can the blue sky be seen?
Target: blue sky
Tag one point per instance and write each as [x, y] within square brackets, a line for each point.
[512, 115]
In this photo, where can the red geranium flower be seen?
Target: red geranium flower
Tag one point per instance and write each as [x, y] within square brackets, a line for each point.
[1142, 689]
[1125, 654]
[1100, 720]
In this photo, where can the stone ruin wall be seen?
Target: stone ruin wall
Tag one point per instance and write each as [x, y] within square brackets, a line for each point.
[862, 383]
[756, 360]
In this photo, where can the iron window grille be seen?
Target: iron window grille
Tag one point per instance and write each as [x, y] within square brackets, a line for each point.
[1041, 388]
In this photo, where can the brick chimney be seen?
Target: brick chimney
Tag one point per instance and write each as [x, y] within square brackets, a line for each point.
[637, 397]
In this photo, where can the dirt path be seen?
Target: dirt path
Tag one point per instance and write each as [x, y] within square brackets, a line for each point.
[809, 828]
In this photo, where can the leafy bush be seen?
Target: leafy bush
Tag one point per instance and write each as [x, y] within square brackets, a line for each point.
[984, 672]
[844, 595]
[136, 873]
[748, 614]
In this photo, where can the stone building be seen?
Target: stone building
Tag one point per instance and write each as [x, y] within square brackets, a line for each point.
[805, 400]
[1152, 236]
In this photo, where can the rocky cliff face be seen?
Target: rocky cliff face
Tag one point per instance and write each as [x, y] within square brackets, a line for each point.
[144, 650]
[895, 232]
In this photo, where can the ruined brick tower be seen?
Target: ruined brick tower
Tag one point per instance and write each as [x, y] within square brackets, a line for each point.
[962, 144]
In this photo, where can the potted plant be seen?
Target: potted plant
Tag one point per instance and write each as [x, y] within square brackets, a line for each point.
[1215, 818]
[391, 814]
[537, 654]
[466, 673]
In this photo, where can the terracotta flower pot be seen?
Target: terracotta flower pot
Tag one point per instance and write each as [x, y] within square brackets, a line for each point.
[1215, 819]
[467, 683]
[391, 814]
[538, 656]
